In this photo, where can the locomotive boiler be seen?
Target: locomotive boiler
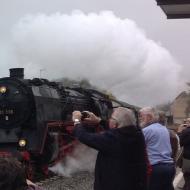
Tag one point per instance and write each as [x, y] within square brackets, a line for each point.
[35, 118]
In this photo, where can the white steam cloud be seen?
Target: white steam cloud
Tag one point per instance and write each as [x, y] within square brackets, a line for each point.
[111, 52]
[82, 159]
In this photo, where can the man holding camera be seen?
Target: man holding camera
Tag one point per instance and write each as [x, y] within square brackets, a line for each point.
[121, 162]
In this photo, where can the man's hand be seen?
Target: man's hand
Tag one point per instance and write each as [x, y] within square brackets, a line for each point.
[92, 117]
[76, 115]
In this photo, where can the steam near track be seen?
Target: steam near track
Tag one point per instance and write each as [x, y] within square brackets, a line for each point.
[75, 172]
[82, 159]
[111, 52]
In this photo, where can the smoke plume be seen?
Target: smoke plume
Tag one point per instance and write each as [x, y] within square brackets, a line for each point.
[82, 159]
[112, 53]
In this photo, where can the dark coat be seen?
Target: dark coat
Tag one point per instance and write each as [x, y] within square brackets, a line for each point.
[185, 142]
[121, 162]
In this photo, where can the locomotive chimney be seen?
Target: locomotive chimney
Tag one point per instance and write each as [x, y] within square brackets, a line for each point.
[17, 73]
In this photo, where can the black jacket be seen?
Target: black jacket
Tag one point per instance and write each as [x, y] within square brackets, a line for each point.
[185, 142]
[121, 163]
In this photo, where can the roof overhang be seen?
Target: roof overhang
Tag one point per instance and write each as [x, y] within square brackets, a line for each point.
[175, 8]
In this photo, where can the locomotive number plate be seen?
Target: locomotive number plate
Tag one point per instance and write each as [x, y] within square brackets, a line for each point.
[6, 112]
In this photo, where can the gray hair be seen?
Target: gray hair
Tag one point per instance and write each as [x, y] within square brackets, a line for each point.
[162, 117]
[124, 117]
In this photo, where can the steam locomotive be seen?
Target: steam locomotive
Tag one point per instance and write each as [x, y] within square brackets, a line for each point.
[35, 118]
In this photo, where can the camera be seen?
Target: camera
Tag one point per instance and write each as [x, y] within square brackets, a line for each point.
[85, 114]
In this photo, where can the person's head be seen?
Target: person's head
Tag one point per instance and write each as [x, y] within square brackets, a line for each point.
[12, 175]
[122, 117]
[185, 121]
[188, 121]
[148, 115]
[162, 117]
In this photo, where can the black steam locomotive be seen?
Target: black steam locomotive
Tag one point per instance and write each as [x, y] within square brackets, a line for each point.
[35, 117]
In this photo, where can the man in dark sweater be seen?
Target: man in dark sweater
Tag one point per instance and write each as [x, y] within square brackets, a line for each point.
[121, 162]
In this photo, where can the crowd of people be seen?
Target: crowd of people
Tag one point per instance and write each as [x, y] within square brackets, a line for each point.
[134, 153]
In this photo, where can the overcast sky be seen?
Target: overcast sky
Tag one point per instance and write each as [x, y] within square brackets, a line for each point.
[127, 47]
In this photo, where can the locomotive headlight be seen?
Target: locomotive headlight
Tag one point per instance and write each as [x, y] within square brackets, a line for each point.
[22, 143]
[3, 89]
